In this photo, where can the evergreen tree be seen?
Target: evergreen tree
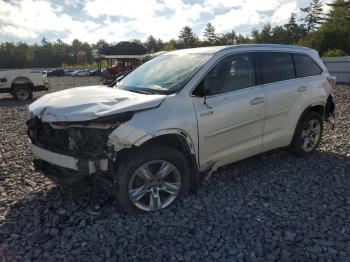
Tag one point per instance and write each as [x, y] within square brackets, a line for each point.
[187, 38]
[313, 15]
[229, 38]
[241, 39]
[334, 33]
[153, 45]
[209, 34]
[295, 31]
[263, 36]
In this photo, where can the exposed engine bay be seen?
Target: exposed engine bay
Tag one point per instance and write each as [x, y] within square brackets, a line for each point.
[84, 141]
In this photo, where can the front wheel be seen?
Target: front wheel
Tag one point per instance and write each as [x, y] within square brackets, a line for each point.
[152, 179]
[308, 135]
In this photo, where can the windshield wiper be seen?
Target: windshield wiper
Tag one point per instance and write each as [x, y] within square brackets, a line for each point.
[138, 91]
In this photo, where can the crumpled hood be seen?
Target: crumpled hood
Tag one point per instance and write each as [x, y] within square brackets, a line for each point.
[91, 102]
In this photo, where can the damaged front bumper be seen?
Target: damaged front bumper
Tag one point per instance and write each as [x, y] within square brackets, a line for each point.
[82, 165]
[69, 153]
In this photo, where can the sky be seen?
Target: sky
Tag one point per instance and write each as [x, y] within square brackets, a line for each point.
[118, 20]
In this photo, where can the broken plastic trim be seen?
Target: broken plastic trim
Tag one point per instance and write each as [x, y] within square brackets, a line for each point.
[90, 125]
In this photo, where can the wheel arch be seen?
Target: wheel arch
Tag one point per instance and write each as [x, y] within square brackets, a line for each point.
[22, 80]
[174, 138]
[318, 108]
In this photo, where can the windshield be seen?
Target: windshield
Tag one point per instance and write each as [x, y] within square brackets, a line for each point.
[164, 74]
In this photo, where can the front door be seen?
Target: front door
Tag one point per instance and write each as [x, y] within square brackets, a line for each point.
[231, 116]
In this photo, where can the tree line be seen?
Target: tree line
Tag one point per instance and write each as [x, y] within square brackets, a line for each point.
[327, 32]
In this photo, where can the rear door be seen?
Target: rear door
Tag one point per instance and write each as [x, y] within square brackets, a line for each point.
[311, 73]
[285, 97]
[231, 117]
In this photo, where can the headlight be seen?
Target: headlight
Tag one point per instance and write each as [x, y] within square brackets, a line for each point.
[104, 122]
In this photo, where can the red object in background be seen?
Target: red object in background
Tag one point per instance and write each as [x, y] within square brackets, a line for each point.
[121, 67]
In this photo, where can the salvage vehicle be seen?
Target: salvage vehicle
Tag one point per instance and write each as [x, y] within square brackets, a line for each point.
[22, 83]
[180, 116]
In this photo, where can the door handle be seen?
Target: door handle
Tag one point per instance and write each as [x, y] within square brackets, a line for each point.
[257, 100]
[210, 112]
[302, 88]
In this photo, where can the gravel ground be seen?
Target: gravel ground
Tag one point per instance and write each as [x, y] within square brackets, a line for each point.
[272, 207]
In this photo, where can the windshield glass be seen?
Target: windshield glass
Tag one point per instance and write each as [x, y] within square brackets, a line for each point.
[164, 74]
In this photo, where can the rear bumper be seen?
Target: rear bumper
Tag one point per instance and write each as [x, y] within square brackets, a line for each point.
[69, 162]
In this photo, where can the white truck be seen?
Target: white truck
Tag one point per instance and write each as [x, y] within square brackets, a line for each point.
[22, 83]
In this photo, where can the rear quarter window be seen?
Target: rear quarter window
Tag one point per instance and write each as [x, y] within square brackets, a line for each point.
[276, 66]
[305, 66]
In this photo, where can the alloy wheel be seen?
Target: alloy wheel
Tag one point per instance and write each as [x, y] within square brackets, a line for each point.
[310, 135]
[154, 185]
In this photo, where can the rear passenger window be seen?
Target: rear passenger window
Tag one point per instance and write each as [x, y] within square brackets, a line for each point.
[276, 66]
[305, 66]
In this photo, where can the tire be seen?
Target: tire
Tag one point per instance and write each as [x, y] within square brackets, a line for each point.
[307, 135]
[22, 92]
[132, 171]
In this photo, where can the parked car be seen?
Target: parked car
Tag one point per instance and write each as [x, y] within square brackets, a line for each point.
[181, 115]
[55, 72]
[68, 72]
[22, 83]
[82, 72]
[95, 72]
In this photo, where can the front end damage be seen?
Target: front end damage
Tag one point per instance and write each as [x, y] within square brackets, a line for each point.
[70, 129]
[72, 151]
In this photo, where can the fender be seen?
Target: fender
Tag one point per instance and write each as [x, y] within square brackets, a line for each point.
[22, 80]
[127, 136]
[170, 131]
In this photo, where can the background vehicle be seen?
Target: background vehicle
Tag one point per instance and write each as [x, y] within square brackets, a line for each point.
[22, 83]
[68, 72]
[81, 72]
[122, 64]
[182, 114]
[95, 72]
[55, 72]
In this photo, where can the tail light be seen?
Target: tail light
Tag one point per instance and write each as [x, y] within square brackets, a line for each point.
[332, 80]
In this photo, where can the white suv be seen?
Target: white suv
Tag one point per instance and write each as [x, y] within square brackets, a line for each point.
[182, 114]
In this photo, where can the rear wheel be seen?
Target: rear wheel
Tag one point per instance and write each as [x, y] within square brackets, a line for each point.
[308, 134]
[22, 92]
[152, 179]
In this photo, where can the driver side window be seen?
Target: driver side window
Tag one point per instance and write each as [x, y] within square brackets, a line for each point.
[233, 73]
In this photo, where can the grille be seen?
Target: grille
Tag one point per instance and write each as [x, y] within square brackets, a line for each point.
[42, 134]
[85, 142]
